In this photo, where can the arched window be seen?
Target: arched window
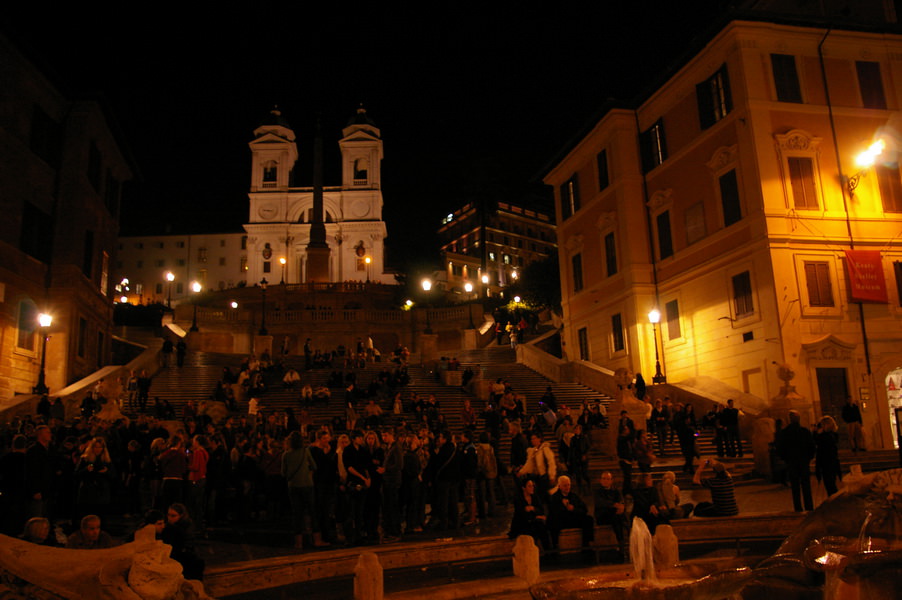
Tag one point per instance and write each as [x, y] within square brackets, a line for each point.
[270, 172]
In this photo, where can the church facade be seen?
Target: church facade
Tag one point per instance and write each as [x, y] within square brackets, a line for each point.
[274, 243]
[281, 215]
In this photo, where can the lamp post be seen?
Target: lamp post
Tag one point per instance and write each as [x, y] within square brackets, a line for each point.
[44, 320]
[654, 316]
[367, 260]
[865, 160]
[427, 285]
[195, 287]
[283, 261]
[170, 277]
[263, 331]
[468, 288]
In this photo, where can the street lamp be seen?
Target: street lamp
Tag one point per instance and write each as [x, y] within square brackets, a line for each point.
[263, 284]
[170, 277]
[865, 160]
[44, 321]
[283, 261]
[195, 287]
[367, 260]
[427, 285]
[468, 288]
[654, 317]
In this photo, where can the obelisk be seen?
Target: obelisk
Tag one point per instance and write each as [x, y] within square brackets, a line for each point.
[318, 252]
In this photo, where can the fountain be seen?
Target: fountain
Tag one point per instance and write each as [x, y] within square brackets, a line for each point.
[642, 551]
[849, 548]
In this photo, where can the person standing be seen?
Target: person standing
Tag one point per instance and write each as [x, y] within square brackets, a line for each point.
[730, 419]
[795, 445]
[181, 349]
[143, 384]
[39, 473]
[297, 469]
[392, 473]
[197, 478]
[626, 456]
[826, 460]
[166, 353]
[851, 415]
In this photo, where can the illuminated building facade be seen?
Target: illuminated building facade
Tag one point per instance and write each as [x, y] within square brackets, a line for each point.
[495, 240]
[724, 201]
[61, 182]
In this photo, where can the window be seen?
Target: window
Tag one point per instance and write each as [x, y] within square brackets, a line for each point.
[618, 344]
[583, 338]
[506, 259]
[222, 243]
[743, 305]
[180, 262]
[602, 160]
[202, 255]
[577, 263]
[714, 100]
[729, 198]
[160, 262]
[37, 231]
[87, 265]
[111, 193]
[890, 183]
[610, 254]
[139, 264]
[82, 340]
[695, 222]
[569, 197]
[28, 324]
[244, 242]
[222, 261]
[665, 240]
[653, 146]
[786, 78]
[179, 287]
[270, 172]
[178, 244]
[491, 256]
[242, 267]
[104, 272]
[672, 314]
[817, 278]
[158, 289]
[46, 137]
[267, 266]
[801, 182]
[94, 167]
[897, 269]
[139, 245]
[871, 84]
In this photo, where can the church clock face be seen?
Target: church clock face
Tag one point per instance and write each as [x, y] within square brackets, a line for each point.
[360, 209]
[267, 211]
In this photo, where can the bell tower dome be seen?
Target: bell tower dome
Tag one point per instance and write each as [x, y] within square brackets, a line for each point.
[361, 153]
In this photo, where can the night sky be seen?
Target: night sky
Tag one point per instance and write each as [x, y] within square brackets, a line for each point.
[473, 102]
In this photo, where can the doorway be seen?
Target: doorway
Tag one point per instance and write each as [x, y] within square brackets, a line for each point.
[894, 399]
[833, 388]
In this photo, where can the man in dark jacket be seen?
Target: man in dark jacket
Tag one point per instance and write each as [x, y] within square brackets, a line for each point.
[392, 471]
[568, 511]
[795, 445]
[444, 467]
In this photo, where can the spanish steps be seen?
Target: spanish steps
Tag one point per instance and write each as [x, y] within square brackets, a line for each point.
[197, 379]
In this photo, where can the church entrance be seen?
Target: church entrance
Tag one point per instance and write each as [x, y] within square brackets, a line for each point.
[833, 388]
[894, 400]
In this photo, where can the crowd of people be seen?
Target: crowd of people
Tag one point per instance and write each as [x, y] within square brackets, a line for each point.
[390, 466]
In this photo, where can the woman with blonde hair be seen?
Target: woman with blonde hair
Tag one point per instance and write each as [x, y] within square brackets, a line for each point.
[826, 458]
[670, 496]
[94, 473]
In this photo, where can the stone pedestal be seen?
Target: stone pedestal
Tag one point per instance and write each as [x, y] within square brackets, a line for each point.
[427, 344]
[452, 378]
[526, 559]
[667, 547]
[368, 577]
[762, 436]
[468, 339]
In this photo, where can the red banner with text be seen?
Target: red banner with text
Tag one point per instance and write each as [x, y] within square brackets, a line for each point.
[867, 283]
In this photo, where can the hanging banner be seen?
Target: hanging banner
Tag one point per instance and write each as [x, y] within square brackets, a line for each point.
[866, 280]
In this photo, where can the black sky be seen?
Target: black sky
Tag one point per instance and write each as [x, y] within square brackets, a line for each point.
[472, 101]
